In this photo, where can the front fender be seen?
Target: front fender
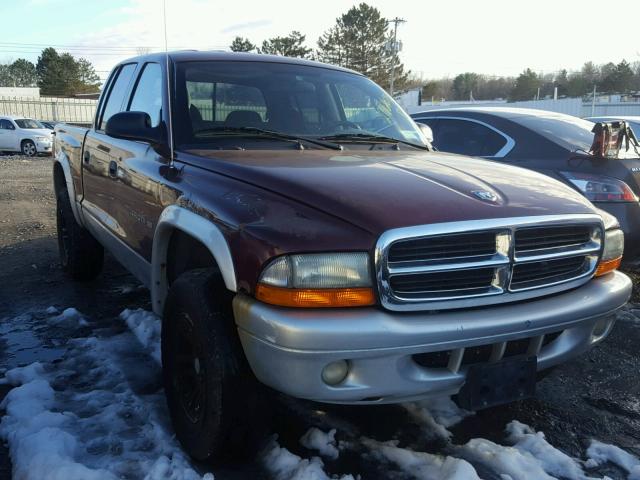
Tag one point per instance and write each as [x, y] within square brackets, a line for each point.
[205, 231]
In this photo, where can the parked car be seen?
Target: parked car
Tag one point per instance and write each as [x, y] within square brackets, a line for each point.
[293, 226]
[19, 134]
[555, 144]
[47, 124]
[632, 121]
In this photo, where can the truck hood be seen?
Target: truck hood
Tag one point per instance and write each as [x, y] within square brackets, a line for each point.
[378, 191]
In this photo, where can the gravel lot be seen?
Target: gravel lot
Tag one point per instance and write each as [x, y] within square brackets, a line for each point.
[593, 397]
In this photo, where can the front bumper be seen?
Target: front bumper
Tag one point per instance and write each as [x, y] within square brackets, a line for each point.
[288, 348]
[43, 147]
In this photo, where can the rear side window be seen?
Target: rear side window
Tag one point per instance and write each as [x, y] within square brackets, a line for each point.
[211, 102]
[467, 138]
[148, 93]
[117, 94]
[6, 125]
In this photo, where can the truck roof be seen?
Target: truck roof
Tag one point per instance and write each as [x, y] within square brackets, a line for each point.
[223, 56]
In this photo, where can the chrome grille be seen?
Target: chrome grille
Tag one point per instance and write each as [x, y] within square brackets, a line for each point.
[474, 263]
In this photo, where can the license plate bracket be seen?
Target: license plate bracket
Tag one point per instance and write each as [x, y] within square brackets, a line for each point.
[491, 384]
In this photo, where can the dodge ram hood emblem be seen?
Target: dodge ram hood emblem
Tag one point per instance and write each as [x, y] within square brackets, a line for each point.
[485, 195]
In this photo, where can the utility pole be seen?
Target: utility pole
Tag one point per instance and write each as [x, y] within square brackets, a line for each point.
[394, 50]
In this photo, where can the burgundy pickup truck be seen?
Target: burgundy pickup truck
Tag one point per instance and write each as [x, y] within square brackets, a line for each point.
[294, 226]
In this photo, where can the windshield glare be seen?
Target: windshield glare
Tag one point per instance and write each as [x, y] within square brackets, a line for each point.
[28, 123]
[296, 100]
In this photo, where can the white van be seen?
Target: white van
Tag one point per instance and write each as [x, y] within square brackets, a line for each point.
[19, 134]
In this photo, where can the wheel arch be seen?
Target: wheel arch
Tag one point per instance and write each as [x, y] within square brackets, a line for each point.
[62, 179]
[176, 220]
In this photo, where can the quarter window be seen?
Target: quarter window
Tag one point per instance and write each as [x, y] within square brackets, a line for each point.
[466, 138]
[117, 93]
[148, 94]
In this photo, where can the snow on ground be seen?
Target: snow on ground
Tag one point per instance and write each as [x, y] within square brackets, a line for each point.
[91, 415]
[146, 327]
[97, 411]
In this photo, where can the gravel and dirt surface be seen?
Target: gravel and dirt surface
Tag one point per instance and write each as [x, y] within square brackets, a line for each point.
[594, 397]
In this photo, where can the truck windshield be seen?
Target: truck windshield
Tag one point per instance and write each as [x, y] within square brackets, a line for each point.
[216, 99]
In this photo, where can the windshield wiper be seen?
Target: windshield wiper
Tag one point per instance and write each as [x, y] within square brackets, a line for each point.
[369, 137]
[267, 134]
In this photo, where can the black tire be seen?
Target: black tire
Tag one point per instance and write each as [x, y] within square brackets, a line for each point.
[212, 395]
[28, 148]
[81, 256]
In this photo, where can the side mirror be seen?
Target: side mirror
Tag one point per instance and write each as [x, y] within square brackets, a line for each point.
[134, 126]
[426, 131]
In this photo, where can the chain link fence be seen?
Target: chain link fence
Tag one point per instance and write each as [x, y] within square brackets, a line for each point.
[69, 110]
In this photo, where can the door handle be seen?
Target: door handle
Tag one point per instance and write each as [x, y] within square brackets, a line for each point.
[113, 169]
[86, 156]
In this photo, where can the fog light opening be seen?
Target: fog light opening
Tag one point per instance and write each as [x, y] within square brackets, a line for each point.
[601, 328]
[335, 372]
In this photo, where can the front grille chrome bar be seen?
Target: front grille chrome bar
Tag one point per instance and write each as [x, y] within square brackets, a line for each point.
[542, 276]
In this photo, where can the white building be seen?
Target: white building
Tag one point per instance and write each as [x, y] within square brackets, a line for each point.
[20, 92]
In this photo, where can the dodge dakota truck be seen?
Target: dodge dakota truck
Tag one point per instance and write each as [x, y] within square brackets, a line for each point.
[294, 227]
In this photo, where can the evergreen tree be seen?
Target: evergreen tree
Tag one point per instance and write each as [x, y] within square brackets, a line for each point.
[290, 46]
[23, 73]
[466, 84]
[64, 75]
[241, 44]
[358, 41]
[5, 76]
[526, 86]
[88, 79]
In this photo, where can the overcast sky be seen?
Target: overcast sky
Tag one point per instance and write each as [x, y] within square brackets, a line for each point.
[441, 38]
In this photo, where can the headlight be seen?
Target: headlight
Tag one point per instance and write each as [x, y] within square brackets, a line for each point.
[613, 250]
[598, 188]
[317, 280]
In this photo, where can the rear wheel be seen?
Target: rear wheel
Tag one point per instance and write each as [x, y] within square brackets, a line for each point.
[211, 392]
[28, 148]
[81, 256]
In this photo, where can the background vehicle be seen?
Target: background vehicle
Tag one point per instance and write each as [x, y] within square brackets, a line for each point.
[18, 134]
[296, 228]
[551, 143]
[47, 124]
[632, 121]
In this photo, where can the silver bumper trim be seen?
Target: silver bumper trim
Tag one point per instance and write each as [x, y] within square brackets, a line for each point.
[287, 348]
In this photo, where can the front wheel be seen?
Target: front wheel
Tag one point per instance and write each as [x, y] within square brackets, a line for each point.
[211, 392]
[29, 148]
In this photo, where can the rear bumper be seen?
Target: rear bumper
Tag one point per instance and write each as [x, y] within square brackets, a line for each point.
[288, 348]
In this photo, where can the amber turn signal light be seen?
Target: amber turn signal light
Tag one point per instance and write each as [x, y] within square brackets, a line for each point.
[606, 266]
[315, 297]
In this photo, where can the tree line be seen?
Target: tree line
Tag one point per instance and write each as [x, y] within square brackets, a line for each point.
[57, 74]
[607, 78]
[360, 40]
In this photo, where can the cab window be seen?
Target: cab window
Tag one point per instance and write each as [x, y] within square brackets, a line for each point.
[147, 96]
[117, 94]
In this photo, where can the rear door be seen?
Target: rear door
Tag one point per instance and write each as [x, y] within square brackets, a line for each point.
[98, 172]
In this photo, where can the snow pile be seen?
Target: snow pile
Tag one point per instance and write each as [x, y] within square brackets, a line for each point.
[99, 413]
[325, 443]
[600, 453]
[69, 317]
[552, 460]
[422, 464]
[146, 326]
[436, 415]
[284, 465]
